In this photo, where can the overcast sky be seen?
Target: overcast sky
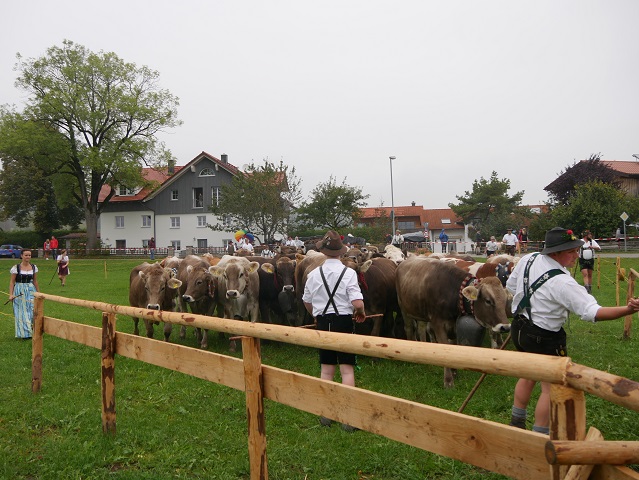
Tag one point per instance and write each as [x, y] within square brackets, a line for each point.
[452, 89]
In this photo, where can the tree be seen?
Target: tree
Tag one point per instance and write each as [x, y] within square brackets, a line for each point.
[259, 200]
[595, 206]
[103, 113]
[579, 173]
[332, 206]
[489, 207]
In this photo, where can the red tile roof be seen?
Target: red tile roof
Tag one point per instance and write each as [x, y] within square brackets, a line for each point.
[623, 166]
[155, 175]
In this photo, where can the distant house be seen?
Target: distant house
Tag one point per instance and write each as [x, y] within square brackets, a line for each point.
[416, 218]
[176, 212]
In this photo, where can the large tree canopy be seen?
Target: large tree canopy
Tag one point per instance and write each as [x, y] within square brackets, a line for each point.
[579, 173]
[489, 207]
[259, 200]
[105, 115]
[332, 206]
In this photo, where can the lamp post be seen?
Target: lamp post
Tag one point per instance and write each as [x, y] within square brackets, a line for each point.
[391, 158]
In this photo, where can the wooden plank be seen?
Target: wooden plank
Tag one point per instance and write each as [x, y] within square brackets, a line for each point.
[567, 420]
[593, 453]
[493, 446]
[37, 345]
[108, 373]
[255, 408]
[74, 332]
[579, 472]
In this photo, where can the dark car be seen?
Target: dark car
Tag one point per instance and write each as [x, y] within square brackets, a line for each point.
[12, 251]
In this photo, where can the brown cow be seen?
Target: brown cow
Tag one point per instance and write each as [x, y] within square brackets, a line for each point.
[238, 287]
[152, 287]
[197, 290]
[277, 289]
[431, 296]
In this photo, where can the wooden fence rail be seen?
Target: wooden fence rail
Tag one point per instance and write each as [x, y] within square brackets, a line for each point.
[476, 441]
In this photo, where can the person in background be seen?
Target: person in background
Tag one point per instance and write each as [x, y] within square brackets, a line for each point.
[331, 294]
[398, 239]
[478, 241]
[510, 242]
[587, 259]
[47, 249]
[63, 267]
[523, 240]
[152, 248]
[544, 294]
[22, 286]
[54, 246]
[491, 247]
[443, 238]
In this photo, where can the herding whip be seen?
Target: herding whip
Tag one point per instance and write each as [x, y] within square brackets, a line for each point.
[54, 272]
[14, 298]
[481, 379]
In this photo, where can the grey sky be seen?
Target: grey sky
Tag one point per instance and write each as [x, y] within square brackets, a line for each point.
[454, 90]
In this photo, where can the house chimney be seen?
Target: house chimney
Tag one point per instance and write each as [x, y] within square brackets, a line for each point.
[225, 158]
[170, 169]
[413, 203]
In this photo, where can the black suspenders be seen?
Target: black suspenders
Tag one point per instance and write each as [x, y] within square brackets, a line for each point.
[328, 290]
[528, 291]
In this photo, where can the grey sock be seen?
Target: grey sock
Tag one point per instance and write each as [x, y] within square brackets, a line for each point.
[519, 412]
[544, 430]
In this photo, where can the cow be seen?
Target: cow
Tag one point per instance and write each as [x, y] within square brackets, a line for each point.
[305, 263]
[152, 287]
[197, 291]
[238, 287]
[394, 253]
[277, 289]
[433, 294]
[376, 279]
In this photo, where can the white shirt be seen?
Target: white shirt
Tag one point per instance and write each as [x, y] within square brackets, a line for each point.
[510, 239]
[587, 248]
[551, 304]
[491, 246]
[397, 239]
[348, 290]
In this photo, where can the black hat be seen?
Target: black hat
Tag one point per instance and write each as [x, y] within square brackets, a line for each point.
[559, 239]
[331, 245]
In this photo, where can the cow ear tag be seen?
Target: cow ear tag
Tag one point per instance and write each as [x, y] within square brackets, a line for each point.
[470, 293]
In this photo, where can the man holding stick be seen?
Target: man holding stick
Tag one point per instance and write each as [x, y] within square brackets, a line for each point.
[331, 294]
[544, 294]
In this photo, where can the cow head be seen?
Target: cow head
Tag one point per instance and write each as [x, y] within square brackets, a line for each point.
[200, 284]
[235, 275]
[489, 300]
[157, 285]
[395, 254]
[283, 273]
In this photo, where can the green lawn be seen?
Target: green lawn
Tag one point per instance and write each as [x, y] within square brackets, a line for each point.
[170, 425]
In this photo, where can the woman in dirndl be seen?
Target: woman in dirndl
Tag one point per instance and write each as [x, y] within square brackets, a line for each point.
[22, 286]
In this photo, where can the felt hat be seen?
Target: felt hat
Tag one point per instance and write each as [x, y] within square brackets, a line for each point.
[559, 239]
[331, 245]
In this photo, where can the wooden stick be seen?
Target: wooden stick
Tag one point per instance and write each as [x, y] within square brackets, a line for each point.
[481, 379]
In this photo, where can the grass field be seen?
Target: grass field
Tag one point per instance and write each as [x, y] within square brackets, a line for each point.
[170, 425]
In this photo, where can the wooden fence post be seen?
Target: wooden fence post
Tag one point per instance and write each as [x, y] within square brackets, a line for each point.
[567, 419]
[617, 281]
[37, 344]
[254, 390]
[627, 323]
[108, 372]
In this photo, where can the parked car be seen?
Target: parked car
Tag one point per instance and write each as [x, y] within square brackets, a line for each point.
[12, 251]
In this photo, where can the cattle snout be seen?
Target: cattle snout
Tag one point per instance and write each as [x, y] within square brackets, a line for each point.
[232, 294]
[153, 306]
[288, 288]
[188, 298]
[501, 328]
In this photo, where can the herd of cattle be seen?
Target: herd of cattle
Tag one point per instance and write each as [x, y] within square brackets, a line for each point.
[407, 296]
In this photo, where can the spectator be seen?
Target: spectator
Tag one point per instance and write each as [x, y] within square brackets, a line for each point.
[587, 259]
[63, 267]
[398, 239]
[510, 242]
[491, 247]
[443, 238]
[152, 248]
[54, 246]
[47, 249]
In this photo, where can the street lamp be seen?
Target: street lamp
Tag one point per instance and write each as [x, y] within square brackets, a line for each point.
[392, 200]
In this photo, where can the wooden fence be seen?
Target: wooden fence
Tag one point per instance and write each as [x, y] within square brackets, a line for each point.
[570, 452]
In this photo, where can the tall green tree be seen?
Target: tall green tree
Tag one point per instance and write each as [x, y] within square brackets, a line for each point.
[489, 208]
[105, 114]
[332, 206]
[595, 206]
[260, 200]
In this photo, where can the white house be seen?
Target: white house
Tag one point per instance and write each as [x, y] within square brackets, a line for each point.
[176, 212]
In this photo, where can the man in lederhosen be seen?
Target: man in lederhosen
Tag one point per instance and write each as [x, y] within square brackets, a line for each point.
[333, 297]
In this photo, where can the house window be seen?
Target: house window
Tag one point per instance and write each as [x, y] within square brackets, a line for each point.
[207, 172]
[404, 226]
[216, 195]
[125, 192]
[174, 194]
[119, 222]
[176, 244]
[201, 220]
[146, 221]
[175, 222]
[202, 243]
[445, 220]
[120, 244]
[198, 198]
[226, 220]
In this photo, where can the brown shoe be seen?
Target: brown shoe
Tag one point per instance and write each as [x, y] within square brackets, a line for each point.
[518, 422]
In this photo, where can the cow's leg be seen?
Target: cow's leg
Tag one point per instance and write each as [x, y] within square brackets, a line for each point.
[409, 328]
[441, 335]
[168, 328]
[149, 327]
[205, 339]
[377, 326]
[136, 329]
[496, 340]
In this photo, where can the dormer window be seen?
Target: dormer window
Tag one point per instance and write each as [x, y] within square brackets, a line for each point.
[125, 192]
[207, 172]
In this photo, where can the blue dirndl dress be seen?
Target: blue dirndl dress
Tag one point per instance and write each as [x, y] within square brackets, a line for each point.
[23, 304]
